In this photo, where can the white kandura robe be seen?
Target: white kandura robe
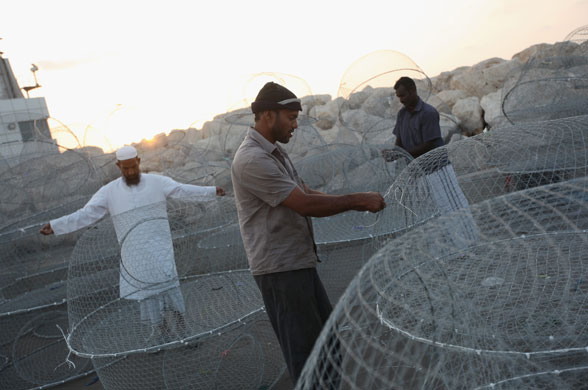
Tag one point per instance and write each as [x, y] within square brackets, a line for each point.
[140, 220]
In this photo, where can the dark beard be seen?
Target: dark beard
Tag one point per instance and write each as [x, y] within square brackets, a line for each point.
[133, 181]
[276, 133]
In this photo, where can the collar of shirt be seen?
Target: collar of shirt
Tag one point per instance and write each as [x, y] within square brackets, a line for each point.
[261, 140]
[419, 106]
[264, 143]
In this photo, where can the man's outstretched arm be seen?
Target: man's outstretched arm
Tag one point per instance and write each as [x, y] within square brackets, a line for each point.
[174, 189]
[309, 190]
[322, 205]
[93, 211]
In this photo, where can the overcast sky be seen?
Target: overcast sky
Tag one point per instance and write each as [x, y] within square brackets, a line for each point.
[127, 70]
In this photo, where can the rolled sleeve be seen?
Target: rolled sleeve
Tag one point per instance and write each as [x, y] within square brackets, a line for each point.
[263, 178]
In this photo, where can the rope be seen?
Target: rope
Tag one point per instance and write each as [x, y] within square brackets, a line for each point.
[399, 201]
[67, 361]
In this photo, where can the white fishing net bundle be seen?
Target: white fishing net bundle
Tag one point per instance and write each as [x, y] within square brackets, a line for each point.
[435, 309]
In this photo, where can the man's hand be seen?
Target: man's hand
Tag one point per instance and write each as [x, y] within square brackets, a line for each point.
[370, 201]
[323, 205]
[220, 192]
[46, 230]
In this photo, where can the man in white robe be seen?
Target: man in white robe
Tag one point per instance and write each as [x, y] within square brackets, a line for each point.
[136, 204]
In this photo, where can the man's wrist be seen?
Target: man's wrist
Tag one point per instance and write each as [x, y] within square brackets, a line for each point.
[354, 201]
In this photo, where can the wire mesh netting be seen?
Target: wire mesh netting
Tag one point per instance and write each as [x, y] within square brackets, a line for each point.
[226, 138]
[446, 179]
[209, 161]
[65, 136]
[244, 357]
[485, 288]
[34, 266]
[33, 295]
[579, 35]
[157, 289]
[381, 69]
[44, 175]
[223, 250]
[32, 341]
[40, 352]
[367, 87]
[342, 168]
[507, 159]
[548, 88]
[202, 166]
[435, 309]
[343, 240]
[449, 124]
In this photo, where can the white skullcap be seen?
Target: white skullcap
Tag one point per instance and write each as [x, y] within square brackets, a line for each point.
[126, 153]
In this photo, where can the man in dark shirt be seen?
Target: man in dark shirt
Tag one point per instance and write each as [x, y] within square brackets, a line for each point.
[417, 126]
[417, 131]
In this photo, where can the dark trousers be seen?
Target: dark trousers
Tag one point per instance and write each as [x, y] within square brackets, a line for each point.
[298, 307]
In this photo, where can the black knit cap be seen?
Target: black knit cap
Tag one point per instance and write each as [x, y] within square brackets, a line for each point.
[275, 97]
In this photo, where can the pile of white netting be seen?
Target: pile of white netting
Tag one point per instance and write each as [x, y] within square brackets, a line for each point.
[549, 87]
[161, 297]
[436, 309]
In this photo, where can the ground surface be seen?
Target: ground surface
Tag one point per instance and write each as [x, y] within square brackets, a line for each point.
[84, 384]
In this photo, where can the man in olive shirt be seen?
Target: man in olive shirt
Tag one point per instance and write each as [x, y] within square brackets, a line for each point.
[274, 207]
